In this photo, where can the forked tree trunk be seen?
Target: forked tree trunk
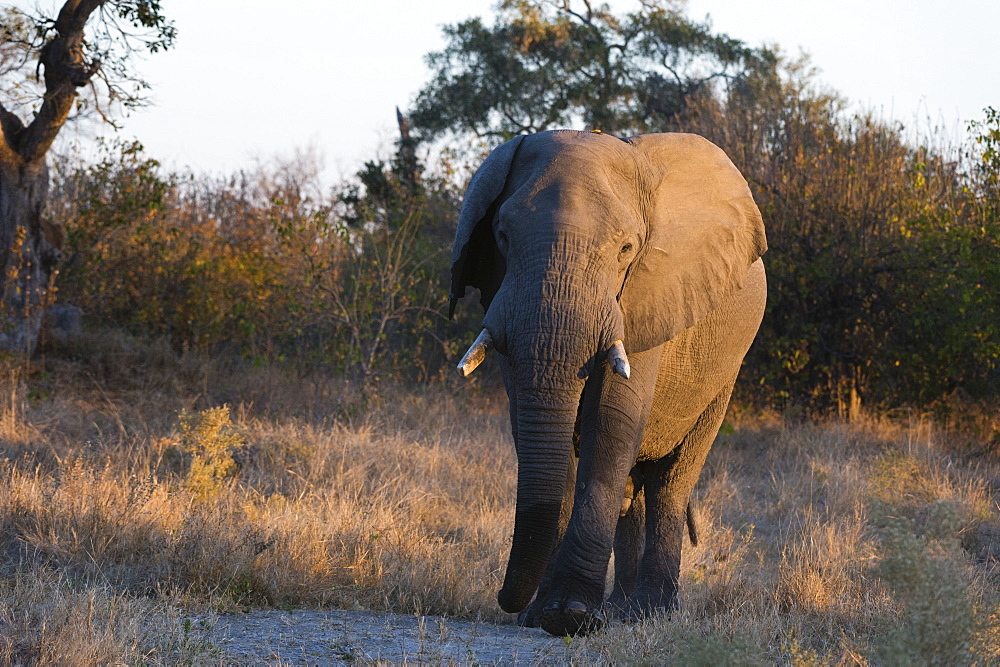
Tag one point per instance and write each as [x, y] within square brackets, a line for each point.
[29, 249]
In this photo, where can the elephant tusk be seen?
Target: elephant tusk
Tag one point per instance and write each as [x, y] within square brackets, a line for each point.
[476, 354]
[619, 360]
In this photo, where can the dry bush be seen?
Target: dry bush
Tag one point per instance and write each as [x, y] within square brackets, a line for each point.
[265, 263]
[882, 246]
[826, 542]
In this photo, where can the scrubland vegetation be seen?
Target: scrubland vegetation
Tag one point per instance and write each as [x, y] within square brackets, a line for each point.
[260, 409]
[141, 487]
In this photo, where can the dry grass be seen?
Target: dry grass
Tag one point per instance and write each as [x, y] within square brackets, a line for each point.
[48, 618]
[830, 543]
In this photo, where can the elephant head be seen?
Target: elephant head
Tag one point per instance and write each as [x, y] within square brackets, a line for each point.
[586, 248]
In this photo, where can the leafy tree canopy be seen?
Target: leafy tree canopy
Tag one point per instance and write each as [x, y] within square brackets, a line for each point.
[39, 52]
[552, 63]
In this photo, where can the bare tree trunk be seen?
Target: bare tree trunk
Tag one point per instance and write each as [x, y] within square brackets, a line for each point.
[29, 248]
[29, 251]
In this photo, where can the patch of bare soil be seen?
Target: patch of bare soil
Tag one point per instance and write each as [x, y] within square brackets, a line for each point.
[332, 637]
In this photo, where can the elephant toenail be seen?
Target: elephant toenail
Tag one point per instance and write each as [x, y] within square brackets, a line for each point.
[576, 608]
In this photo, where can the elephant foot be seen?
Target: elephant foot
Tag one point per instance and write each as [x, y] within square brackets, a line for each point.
[531, 616]
[641, 605]
[617, 603]
[571, 618]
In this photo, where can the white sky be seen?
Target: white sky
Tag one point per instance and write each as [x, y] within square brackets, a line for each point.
[253, 79]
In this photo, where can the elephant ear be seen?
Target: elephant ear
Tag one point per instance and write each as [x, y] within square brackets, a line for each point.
[475, 257]
[704, 233]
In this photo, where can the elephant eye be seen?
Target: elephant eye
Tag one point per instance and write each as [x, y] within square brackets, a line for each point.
[502, 239]
[626, 248]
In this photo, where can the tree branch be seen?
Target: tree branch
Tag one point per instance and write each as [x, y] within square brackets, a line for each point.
[74, 15]
[587, 20]
[65, 71]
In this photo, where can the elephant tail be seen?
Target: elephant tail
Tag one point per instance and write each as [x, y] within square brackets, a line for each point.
[692, 527]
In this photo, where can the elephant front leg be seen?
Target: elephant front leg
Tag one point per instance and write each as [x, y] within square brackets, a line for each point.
[614, 415]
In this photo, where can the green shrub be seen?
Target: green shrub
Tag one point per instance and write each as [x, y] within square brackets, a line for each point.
[210, 439]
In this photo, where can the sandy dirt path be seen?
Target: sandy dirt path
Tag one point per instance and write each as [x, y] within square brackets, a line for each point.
[343, 637]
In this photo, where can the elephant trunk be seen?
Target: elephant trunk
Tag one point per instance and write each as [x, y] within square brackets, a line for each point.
[552, 330]
[545, 426]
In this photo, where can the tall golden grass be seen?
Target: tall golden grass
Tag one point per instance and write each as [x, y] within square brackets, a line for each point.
[835, 543]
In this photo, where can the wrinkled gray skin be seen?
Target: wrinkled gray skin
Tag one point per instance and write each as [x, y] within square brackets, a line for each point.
[577, 240]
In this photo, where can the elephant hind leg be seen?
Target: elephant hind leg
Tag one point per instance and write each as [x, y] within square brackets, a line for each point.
[630, 538]
[630, 541]
[669, 483]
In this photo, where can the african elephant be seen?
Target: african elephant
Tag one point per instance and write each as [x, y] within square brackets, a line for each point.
[622, 286]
